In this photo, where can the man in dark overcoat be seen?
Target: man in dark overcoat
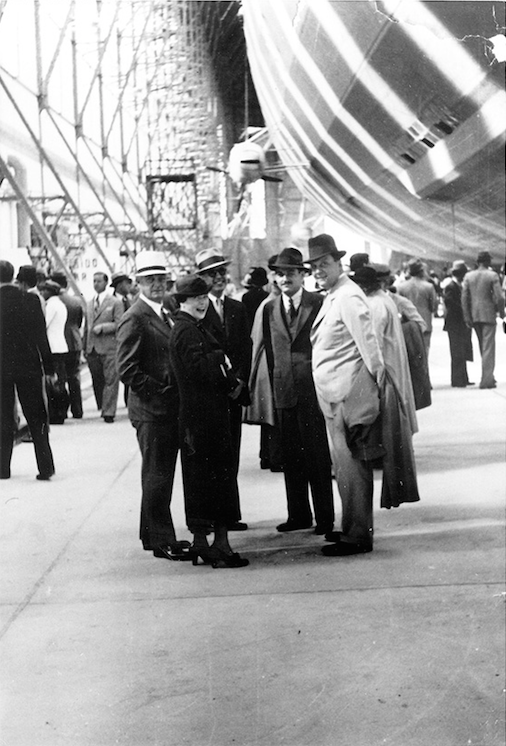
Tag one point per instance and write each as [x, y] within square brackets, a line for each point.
[227, 321]
[459, 334]
[287, 322]
[143, 362]
[25, 357]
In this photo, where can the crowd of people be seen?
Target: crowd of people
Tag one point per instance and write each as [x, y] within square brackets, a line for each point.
[333, 376]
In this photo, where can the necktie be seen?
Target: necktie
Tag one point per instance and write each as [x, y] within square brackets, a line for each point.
[97, 304]
[292, 310]
[219, 308]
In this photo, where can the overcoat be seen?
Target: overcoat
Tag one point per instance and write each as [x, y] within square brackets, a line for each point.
[207, 458]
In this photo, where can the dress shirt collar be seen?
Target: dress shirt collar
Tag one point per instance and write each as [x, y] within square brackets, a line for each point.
[297, 299]
[157, 307]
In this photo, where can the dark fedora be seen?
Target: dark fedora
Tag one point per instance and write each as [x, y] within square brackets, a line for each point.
[189, 286]
[289, 259]
[118, 277]
[210, 259]
[321, 246]
[484, 257]
[27, 273]
[358, 260]
[256, 278]
[415, 267]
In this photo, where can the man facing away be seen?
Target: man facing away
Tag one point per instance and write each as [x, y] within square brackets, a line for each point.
[144, 366]
[227, 321]
[344, 347]
[459, 334]
[103, 314]
[482, 300]
[422, 294]
[74, 341]
[25, 357]
[287, 322]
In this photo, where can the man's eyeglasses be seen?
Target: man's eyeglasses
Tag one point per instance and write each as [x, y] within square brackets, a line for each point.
[218, 272]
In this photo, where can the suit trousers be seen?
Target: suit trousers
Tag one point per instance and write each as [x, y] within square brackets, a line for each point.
[486, 340]
[32, 399]
[458, 355]
[306, 462]
[159, 446]
[72, 362]
[355, 478]
[105, 379]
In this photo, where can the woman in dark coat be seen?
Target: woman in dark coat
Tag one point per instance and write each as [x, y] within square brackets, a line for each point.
[204, 380]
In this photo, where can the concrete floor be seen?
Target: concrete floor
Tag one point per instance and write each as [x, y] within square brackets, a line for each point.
[102, 644]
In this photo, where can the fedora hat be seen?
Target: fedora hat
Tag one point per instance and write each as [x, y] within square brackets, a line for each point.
[256, 278]
[459, 267]
[189, 286]
[484, 257]
[51, 285]
[358, 260]
[27, 273]
[150, 263]
[415, 267]
[321, 246]
[382, 270]
[118, 277]
[289, 259]
[210, 259]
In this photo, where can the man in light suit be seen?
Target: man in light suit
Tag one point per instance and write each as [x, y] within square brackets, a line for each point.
[227, 321]
[144, 367]
[74, 341]
[343, 343]
[482, 301]
[103, 314]
[287, 322]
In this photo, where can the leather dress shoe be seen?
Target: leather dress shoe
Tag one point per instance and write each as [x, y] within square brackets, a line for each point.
[108, 418]
[179, 552]
[238, 526]
[293, 526]
[44, 477]
[334, 536]
[320, 530]
[345, 549]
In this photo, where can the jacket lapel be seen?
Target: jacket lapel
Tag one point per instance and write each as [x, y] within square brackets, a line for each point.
[305, 309]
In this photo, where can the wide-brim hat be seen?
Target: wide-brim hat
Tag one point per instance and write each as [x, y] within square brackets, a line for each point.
[190, 286]
[150, 263]
[290, 259]
[322, 245]
[118, 277]
[210, 259]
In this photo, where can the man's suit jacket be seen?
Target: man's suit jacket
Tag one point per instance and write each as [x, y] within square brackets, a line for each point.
[289, 351]
[75, 316]
[232, 335]
[143, 360]
[454, 315]
[422, 294]
[482, 298]
[100, 328]
[23, 336]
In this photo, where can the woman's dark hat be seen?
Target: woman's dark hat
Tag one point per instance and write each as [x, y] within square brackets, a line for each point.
[365, 275]
[256, 278]
[190, 286]
[321, 246]
[358, 260]
[289, 259]
[27, 273]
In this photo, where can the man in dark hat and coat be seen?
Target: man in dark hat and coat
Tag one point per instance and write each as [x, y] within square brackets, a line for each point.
[459, 334]
[287, 322]
[422, 294]
[254, 282]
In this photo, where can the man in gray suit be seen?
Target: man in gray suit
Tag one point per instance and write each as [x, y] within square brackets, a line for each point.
[482, 300]
[153, 403]
[287, 322]
[103, 313]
